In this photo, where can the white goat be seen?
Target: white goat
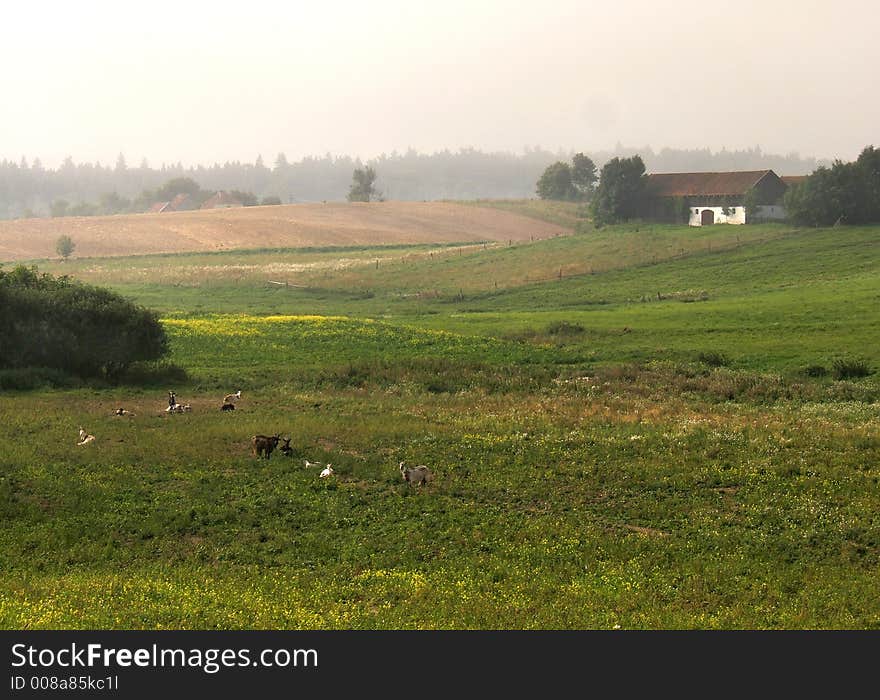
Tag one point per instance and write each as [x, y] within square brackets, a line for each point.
[312, 464]
[84, 437]
[328, 471]
[417, 475]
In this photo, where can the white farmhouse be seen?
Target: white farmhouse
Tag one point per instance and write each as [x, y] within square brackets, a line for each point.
[715, 198]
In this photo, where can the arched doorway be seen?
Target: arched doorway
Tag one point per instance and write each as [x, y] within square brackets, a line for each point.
[707, 217]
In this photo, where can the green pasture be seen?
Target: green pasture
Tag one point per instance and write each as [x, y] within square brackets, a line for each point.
[646, 445]
[770, 298]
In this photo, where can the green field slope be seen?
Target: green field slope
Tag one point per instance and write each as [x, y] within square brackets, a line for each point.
[768, 297]
[682, 430]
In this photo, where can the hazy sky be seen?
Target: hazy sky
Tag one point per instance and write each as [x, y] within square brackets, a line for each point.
[207, 82]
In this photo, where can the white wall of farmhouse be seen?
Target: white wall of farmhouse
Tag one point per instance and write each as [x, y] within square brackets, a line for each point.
[737, 215]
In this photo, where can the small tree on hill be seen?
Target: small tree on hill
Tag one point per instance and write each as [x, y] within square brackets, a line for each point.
[363, 187]
[64, 246]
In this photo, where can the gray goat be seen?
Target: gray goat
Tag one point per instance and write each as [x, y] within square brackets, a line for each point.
[416, 475]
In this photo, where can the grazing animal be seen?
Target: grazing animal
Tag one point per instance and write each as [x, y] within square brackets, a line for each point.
[417, 475]
[286, 449]
[123, 412]
[84, 437]
[227, 407]
[327, 471]
[232, 398]
[263, 444]
[312, 464]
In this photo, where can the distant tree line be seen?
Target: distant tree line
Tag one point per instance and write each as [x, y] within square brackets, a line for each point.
[847, 193]
[56, 323]
[112, 203]
[30, 189]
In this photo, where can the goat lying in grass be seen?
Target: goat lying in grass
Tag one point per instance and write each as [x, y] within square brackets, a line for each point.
[123, 412]
[417, 475]
[179, 408]
[227, 407]
[232, 398]
[327, 471]
[286, 449]
[84, 437]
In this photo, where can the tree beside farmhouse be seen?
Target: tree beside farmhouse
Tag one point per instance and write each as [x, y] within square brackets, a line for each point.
[620, 192]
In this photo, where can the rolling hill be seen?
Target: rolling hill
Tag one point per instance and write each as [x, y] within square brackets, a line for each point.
[639, 427]
[298, 225]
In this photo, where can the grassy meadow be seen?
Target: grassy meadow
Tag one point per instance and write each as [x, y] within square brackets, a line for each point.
[641, 426]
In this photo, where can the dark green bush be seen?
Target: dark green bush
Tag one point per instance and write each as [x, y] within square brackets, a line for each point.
[57, 323]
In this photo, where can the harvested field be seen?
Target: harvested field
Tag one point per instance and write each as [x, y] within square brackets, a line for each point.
[297, 225]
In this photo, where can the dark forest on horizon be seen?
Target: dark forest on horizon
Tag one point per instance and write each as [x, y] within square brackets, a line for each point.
[28, 189]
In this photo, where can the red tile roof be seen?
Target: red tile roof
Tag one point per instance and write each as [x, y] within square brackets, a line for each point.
[221, 199]
[704, 184]
[179, 201]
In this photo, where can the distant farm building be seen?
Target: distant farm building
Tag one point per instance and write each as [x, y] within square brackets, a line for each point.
[222, 200]
[715, 198]
[182, 202]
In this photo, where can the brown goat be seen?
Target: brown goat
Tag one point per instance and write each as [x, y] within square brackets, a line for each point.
[263, 444]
